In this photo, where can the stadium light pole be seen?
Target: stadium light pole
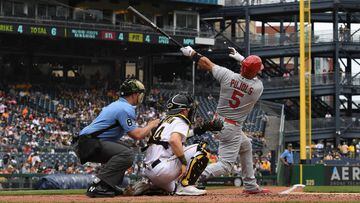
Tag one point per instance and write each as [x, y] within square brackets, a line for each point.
[305, 84]
[193, 78]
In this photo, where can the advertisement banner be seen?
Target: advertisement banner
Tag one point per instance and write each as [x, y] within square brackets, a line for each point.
[342, 175]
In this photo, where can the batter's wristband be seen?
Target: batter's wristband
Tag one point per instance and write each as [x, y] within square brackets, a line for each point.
[196, 57]
[182, 160]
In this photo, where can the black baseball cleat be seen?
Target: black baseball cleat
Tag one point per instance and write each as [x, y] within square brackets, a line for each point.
[100, 190]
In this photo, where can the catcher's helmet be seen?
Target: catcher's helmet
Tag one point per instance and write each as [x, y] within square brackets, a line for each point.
[251, 65]
[132, 86]
[180, 102]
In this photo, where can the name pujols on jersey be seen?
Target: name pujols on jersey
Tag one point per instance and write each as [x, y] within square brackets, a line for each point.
[242, 86]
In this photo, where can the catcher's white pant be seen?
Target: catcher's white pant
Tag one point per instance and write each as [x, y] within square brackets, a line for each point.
[233, 141]
[165, 174]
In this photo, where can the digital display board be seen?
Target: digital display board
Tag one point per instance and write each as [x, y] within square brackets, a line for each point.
[32, 29]
[136, 37]
[85, 34]
[78, 33]
[108, 35]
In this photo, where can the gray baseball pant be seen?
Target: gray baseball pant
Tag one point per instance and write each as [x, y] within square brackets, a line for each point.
[233, 141]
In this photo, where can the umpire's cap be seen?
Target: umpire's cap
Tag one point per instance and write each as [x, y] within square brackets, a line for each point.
[131, 86]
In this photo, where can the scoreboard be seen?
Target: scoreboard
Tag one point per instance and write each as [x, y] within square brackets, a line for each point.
[68, 32]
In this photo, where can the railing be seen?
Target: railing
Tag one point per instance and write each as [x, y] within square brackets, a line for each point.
[288, 39]
[269, 83]
[119, 26]
[324, 123]
[316, 123]
[348, 80]
[293, 81]
[256, 2]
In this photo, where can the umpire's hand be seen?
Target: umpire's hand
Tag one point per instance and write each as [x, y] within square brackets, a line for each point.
[154, 123]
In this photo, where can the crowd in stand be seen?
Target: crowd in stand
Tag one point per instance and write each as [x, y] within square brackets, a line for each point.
[343, 150]
[30, 130]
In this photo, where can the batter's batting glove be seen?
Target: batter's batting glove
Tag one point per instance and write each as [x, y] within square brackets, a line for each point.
[214, 125]
[187, 51]
[235, 55]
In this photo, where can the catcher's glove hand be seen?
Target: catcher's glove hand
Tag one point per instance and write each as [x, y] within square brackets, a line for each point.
[214, 125]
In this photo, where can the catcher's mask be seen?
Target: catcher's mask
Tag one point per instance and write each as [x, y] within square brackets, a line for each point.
[180, 102]
[132, 86]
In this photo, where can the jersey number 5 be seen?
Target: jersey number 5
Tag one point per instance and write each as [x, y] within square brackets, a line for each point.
[234, 102]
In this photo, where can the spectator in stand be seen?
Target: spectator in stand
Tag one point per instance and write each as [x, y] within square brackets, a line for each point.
[34, 158]
[324, 75]
[328, 157]
[265, 167]
[341, 33]
[344, 149]
[286, 77]
[212, 158]
[237, 169]
[351, 151]
[328, 115]
[320, 149]
[357, 149]
[287, 158]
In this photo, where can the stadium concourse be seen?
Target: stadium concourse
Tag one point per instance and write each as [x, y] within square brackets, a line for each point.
[38, 121]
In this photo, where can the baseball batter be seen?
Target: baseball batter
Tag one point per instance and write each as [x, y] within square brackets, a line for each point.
[238, 95]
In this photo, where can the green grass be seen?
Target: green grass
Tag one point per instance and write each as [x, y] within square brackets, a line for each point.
[333, 189]
[42, 192]
[68, 192]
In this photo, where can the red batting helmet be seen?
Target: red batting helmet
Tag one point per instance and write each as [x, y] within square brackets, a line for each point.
[251, 65]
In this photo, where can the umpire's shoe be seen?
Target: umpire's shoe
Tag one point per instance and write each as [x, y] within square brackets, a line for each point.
[100, 190]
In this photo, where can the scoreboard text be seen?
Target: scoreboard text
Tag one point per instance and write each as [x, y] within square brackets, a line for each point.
[53, 31]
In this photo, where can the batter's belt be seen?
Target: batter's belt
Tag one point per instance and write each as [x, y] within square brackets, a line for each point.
[228, 120]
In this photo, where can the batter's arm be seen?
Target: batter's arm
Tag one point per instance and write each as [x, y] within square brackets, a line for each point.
[203, 62]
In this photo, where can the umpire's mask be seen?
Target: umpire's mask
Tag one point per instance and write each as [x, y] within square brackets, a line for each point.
[132, 86]
[180, 102]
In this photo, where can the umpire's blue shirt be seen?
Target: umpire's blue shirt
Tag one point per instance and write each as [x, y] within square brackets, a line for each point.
[120, 111]
[288, 156]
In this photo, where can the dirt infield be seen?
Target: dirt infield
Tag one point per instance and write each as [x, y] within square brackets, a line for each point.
[215, 195]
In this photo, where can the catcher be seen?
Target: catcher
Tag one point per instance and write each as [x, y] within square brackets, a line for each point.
[169, 165]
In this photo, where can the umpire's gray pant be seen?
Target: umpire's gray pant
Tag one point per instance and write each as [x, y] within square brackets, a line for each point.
[117, 158]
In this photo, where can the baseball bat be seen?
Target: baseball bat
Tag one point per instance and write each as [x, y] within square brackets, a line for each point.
[152, 25]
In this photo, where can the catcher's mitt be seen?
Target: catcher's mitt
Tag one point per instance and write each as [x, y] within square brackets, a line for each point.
[213, 125]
